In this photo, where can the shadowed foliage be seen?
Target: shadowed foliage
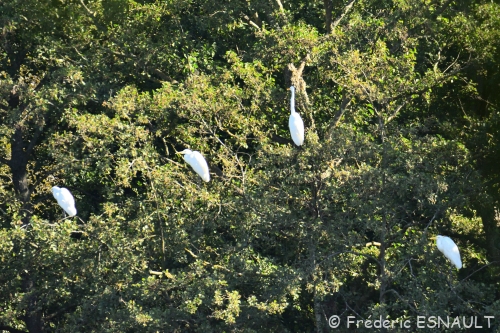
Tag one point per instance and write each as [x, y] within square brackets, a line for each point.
[402, 143]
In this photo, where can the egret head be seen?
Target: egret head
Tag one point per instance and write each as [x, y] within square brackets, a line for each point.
[435, 238]
[185, 151]
[292, 99]
[55, 188]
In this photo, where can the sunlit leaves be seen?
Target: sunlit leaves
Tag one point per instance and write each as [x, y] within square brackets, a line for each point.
[105, 93]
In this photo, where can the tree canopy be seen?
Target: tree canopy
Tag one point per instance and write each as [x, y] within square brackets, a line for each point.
[402, 143]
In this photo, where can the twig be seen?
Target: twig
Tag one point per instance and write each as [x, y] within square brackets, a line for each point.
[88, 10]
[433, 218]
[78, 52]
[348, 307]
[468, 276]
[402, 299]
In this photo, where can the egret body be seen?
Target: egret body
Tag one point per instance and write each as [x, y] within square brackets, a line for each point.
[65, 200]
[450, 250]
[295, 121]
[197, 162]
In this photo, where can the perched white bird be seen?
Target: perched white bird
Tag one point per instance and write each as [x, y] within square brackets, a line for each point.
[450, 250]
[65, 200]
[295, 122]
[197, 162]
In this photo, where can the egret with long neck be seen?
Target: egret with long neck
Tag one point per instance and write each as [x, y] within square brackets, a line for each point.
[295, 121]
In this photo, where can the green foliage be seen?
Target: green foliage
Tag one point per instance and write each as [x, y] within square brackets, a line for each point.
[402, 143]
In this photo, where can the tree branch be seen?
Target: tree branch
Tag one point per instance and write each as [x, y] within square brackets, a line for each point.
[280, 5]
[477, 270]
[346, 10]
[280, 139]
[88, 10]
[402, 299]
[432, 219]
[61, 310]
[252, 23]
[394, 114]
[345, 103]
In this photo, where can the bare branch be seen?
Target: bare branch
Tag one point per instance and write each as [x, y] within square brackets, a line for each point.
[252, 23]
[346, 10]
[163, 76]
[280, 5]
[432, 219]
[88, 10]
[402, 299]
[480, 268]
[348, 307]
[453, 63]
[346, 101]
[81, 55]
[394, 114]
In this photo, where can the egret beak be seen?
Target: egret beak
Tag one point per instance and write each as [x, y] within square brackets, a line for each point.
[433, 237]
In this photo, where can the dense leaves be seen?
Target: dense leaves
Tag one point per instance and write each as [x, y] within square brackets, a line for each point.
[402, 143]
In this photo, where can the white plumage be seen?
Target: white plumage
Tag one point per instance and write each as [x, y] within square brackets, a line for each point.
[295, 121]
[197, 162]
[448, 247]
[65, 200]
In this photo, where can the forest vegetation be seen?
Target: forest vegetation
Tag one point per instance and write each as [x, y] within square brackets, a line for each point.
[401, 105]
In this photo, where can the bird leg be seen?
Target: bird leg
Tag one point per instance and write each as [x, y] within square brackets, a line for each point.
[64, 216]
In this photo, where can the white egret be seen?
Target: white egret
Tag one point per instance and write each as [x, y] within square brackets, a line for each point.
[450, 250]
[65, 200]
[197, 162]
[295, 121]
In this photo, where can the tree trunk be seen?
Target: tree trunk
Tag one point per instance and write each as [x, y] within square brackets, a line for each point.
[328, 15]
[317, 313]
[33, 317]
[19, 167]
[491, 226]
